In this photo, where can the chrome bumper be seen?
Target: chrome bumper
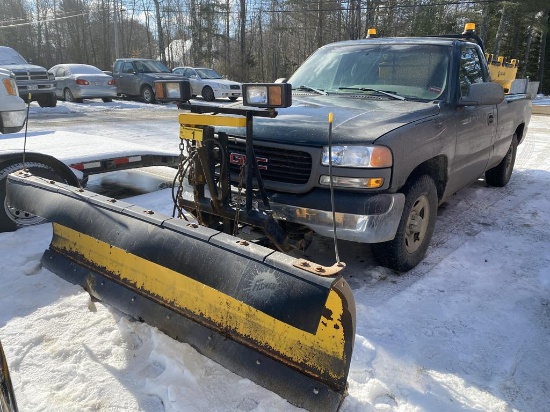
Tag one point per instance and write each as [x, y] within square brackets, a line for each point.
[370, 228]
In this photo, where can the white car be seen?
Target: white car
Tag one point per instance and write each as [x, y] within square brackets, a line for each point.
[12, 107]
[209, 84]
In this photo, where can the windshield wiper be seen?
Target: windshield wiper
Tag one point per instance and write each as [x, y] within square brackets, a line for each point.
[367, 89]
[311, 89]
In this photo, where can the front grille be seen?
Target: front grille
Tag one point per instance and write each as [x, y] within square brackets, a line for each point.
[235, 86]
[284, 166]
[31, 75]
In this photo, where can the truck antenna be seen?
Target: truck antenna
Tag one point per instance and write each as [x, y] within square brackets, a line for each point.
[26, 127]
[330, 119]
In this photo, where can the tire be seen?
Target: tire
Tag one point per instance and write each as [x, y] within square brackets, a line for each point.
[208, 94]
[412, 239]
[47, 100]
[233, 98]
[500, 175]
[107, 99]
[68, 95]
[12, 219]
[147, 94]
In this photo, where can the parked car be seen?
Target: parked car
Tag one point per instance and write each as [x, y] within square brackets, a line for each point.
[135, 77]
[12, 107]
[209, 83]
[76, 82]
[34, 82]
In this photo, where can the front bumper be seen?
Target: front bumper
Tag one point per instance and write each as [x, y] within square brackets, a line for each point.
[359, 217]
[13, 117]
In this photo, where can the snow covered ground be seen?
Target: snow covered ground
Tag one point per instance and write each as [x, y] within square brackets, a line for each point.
[467, 330]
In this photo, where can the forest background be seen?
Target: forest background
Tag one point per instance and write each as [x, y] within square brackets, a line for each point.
[260, 40]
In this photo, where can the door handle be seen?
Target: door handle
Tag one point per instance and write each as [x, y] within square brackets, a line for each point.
[490, 118]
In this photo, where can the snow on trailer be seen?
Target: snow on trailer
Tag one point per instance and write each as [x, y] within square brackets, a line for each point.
[69, 158]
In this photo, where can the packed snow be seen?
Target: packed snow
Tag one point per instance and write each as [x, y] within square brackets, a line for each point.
[467, 330]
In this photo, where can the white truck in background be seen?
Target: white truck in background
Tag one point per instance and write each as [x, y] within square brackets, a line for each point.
[12, 107]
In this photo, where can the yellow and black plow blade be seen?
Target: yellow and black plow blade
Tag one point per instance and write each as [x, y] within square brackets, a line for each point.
[249, 308]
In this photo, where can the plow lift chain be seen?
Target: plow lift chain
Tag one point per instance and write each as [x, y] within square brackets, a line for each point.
[208, 156]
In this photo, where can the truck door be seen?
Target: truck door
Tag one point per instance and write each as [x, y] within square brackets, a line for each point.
[125, 78]
[475, 125]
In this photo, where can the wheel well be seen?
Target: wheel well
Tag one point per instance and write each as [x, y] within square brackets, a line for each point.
[519, 132]
[436, 168]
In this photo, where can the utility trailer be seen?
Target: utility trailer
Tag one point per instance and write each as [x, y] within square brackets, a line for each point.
[69, 158]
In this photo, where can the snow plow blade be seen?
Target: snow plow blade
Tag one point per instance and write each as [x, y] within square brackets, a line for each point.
[255, 311]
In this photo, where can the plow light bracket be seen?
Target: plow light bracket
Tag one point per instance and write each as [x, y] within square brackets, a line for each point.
[269, 95]
[172, 90]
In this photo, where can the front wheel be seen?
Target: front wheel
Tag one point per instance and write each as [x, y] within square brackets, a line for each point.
[415, 229]
[107, 99]
[147, 94]
[233, 98]
[208, 94]
[47, 100]
[500, 175]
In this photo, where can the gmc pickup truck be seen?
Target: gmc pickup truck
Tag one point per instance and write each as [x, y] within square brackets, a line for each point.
[415, 120]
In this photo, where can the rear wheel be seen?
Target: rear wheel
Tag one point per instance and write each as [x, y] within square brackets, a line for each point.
[500, 175]
[107, 99]
[208, 94]
[10, 218]
[415, 229]
[68, 95]
[147, 94]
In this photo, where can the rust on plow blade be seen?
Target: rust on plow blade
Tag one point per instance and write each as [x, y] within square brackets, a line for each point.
[243, 305]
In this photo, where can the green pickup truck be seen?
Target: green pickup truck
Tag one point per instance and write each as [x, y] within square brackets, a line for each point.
[415, 120]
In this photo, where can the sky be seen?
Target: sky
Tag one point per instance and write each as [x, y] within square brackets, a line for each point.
[467, 330]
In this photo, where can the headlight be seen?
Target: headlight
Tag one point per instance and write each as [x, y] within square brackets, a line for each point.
[358, 156]
[223, 86]
[10, 86]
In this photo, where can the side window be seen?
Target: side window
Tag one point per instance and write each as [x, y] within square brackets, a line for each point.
[117, 67]
[470, 69]
[128, 68]
[188, 73]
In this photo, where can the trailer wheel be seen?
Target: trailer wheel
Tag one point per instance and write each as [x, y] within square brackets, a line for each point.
[11, 219]
[500, 175]
[415, 230]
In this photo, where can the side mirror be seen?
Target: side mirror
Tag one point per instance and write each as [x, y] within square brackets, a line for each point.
[479, 94]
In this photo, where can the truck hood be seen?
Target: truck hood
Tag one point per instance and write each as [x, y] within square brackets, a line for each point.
[23, 67]
[163, 76]
[357, 119]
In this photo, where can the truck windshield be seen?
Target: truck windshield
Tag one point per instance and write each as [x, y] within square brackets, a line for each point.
[10, 56]
[413, 71]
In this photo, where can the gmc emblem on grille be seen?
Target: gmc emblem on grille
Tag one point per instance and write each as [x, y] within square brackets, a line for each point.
[240, 159]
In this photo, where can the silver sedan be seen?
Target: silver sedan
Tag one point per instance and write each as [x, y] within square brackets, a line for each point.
[76, 82]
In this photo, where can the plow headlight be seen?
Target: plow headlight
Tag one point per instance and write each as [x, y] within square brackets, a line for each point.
[358, 156]
[267, 94]
[172, 90]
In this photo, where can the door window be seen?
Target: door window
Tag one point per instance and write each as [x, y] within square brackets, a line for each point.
[471, 70]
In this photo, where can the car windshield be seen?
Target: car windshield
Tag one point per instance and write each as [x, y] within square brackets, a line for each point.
[151, 66]
[208, 74]
[85, 70]
[10, 56]
[381, 70]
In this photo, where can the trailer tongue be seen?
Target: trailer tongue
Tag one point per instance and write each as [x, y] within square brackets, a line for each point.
[285, 323]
